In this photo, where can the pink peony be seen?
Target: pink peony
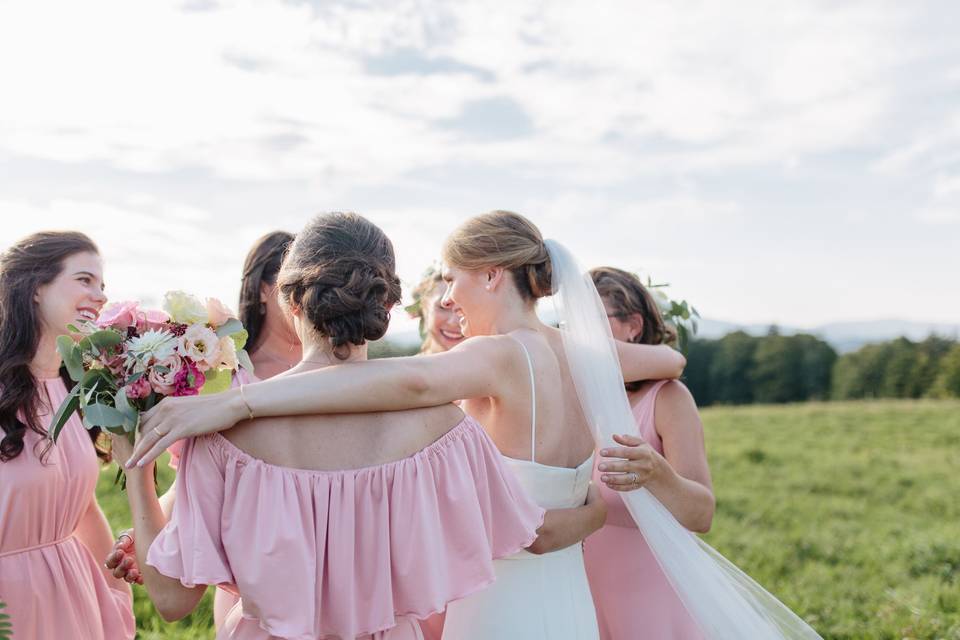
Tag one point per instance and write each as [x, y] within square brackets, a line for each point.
[165, 383]
[218, 313]
[119, 315]
[151, 319]
[189, 380]
[140, 388]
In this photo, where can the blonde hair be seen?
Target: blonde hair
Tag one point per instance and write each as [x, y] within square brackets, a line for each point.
[507, 240]
[422, 299]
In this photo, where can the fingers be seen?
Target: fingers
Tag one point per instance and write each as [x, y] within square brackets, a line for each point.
[627, 453]
[124, 540]
[113, 560]
[621, 479]
[618, 466]
[149, 447]
[627, 439]
[148, 455]
[121, 570]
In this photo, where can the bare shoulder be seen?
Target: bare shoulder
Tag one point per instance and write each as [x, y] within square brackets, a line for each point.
[675, 406]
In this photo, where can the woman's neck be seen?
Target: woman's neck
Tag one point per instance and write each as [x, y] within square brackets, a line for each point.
[317, 355]
[46, 361]
[279, 345]
[513, 318]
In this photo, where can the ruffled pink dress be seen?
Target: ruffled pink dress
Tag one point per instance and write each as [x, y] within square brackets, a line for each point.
[318, 554]
[53, 586]
[632, 595]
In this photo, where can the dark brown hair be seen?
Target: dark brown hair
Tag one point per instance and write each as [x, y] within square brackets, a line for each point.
[25, 267]
[624, 292]
[503, 239]
[341, 272]
[261, 267]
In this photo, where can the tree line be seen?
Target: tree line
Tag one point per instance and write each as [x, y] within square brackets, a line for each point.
[741, 369]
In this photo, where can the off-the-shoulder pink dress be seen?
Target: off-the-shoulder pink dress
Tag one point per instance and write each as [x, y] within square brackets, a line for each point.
[631, 593]
[317, 554]
[53, 586]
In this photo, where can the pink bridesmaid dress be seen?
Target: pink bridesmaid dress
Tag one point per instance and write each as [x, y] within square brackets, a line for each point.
[632, 595]
[53, 586]
[343, 554]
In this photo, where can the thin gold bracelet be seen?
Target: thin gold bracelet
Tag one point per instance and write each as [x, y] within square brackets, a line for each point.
[245, 403]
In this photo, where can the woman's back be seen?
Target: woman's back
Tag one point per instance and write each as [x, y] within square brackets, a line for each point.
[342, 442]
[563, 437]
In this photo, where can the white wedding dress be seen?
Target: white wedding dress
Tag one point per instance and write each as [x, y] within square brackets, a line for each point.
[535, 597]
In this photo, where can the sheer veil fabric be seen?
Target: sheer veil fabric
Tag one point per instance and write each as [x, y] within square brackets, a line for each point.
[725, 602]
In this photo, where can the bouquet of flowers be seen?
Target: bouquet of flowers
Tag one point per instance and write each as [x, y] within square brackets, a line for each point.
[130, 358]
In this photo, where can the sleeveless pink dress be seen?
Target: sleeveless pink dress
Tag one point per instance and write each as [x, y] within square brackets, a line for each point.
[632, 595]
[353, 553]
[53, 586]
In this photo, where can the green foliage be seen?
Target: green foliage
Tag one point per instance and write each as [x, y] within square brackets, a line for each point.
[6, 629]
[900, 368]
[731, 370]
[947, 383]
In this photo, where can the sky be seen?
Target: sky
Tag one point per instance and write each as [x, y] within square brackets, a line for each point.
[787, 162]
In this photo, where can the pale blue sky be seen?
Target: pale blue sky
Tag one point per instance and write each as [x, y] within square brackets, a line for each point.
[790, 162]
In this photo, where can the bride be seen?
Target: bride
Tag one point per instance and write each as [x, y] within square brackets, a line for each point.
[497, 264]
[515, 380]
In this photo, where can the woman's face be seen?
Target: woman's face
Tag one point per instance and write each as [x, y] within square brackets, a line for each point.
[75, 294]
[468, 299]
[442, 324]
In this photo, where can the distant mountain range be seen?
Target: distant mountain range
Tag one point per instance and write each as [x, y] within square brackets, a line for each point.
[842, 336]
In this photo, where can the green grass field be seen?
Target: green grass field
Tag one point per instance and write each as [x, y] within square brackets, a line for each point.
[849, 512]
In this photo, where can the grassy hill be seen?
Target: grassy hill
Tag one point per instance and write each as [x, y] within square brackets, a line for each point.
[849, 512]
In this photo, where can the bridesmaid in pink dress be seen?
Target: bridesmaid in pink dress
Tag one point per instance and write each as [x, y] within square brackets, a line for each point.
[632, 595]
[51, 528]
[356, 527]
[274, 348]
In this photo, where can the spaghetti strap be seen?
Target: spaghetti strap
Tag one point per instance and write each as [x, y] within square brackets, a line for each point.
[533, 404]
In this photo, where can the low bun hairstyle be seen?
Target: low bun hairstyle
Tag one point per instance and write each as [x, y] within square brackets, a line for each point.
[507, 240]
[341, 272]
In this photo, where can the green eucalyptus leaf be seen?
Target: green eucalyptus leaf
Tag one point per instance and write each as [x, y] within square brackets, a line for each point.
[130, 414]
[72, 358]
[105, 338]
[229, 328]
[67, 408]
[104, 416]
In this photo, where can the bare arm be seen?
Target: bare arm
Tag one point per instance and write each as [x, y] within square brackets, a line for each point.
[481, 367]
[172, 600]
[94, 532]
[681, 478]
[564, 527]
[649, 362]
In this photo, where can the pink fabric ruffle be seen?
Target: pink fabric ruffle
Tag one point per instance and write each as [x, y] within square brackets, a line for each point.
[345, 553]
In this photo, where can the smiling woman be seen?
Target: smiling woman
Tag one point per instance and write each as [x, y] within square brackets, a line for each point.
[51, 526]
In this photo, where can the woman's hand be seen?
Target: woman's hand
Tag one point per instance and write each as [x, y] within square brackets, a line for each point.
[123, 559]
[178, 418]
[631, 466]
